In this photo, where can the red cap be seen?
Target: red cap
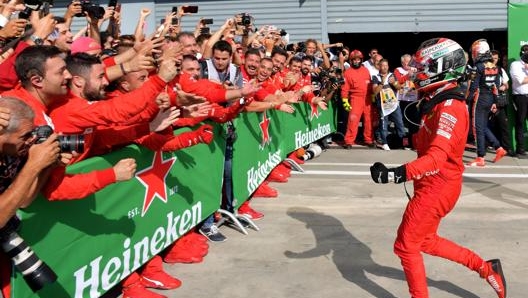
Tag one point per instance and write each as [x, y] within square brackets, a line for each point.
[84, 44]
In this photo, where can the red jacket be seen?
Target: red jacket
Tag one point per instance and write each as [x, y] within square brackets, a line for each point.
[267, 88]
[212, 91]
[62, 186]
[9, 78]
[75, 115]
[357, 83]
[440, 144]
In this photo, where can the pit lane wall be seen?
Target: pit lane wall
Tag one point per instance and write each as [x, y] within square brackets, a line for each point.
[94, 243]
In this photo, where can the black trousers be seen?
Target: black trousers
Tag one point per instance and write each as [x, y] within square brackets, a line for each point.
[500, 123]
[521, 109]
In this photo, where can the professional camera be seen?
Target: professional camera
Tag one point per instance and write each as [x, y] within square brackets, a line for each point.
[67, 143]
[332, 77]
[34, 5]
[36, 273]
[314, 150]
[245, 19]
[92, 9]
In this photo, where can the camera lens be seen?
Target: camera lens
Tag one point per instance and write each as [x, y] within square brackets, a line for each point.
[35, 272]
[70, 143]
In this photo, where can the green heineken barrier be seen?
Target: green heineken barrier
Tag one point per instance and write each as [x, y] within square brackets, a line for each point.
[94, 243]
[517, 37]
[265, 139]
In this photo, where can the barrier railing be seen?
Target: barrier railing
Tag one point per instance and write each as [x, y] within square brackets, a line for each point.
[94, 243]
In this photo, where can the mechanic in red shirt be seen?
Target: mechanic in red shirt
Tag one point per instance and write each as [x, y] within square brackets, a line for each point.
[44, 77]
[437, 172]
[106, 122]
[357, 100]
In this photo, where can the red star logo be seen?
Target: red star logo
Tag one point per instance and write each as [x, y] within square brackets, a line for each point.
[153, 178]
[315, 111]
[264, 126]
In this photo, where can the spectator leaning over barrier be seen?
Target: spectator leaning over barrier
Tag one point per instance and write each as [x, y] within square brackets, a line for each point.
[23, 167]
[44, 77]
[519, 78]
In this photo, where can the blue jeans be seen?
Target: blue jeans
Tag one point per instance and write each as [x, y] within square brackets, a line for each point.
[228, 184]
[395, 117]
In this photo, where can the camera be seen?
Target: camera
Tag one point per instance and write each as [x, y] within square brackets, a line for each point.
[67, 143]
[91, 9]
[34, 5]
[35, 272]
[314, 150]
[245, 19]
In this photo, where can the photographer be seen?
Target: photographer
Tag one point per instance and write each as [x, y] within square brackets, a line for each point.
[312, 49]
[22, 167]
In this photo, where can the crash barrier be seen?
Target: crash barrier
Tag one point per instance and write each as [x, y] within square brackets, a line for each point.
[94, 243]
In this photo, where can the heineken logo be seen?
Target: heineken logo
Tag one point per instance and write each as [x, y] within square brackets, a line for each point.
[314, 111]
[264, 128]
[256, 175]
[105, 271]
[309, 136]
[153, 178]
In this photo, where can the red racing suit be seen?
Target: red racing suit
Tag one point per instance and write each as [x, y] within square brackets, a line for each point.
[437, 176]
[62, 186]
[356, 89]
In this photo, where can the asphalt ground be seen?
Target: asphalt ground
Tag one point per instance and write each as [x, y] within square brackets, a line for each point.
[330, 233]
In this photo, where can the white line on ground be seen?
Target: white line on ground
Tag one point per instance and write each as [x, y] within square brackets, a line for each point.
[364, 173]
[352, 164]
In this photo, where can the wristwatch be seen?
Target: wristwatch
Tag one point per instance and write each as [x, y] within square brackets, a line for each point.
[36, 40]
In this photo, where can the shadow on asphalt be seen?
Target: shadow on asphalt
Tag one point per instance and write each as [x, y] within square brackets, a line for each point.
[352, 257]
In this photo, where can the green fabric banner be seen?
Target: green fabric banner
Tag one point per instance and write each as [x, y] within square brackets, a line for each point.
[265, 139]
[94, 243]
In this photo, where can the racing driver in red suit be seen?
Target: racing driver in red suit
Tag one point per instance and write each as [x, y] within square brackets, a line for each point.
[437, 172]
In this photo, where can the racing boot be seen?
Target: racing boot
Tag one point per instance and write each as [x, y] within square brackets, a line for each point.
[492, 271]
[153, 276]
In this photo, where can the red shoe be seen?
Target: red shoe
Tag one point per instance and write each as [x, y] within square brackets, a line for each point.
[286, 171]
[265, 191]
[190, 244]
[499, 153]
[160, 280]
[182, 256]
[295, 158]
[492, 272]
[251, 213]
[138, 290]
[478, 162]
[276, 176]
[197, 237]
[153, 276]
[192, 247]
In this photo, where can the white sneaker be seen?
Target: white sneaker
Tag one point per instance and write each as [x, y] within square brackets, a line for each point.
[385, 147]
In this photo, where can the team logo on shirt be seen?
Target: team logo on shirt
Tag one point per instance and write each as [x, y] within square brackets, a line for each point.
[153, 178]
[264, 128]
